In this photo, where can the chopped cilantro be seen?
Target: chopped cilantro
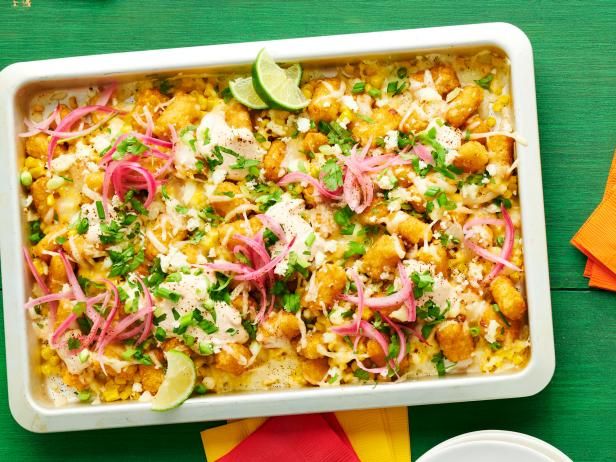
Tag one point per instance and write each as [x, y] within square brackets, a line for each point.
[250, 328]
[129, 146]
[422, 282]
[361, 374]
[354, 248]
[36, 234]
[331, 175]
[219, 290]
[269, 238]
[291, 302]
[342, 217]
[209, 215]
[485, 81]
[83, 225]
[125, 261]
[296, 264]
[439, 362]
[73, 343]
[432, 315]
[359, 87]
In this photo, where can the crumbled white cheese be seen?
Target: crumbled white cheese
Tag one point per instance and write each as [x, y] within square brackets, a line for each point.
[63, 163]
[174, 260]
[303, 124]
[491, 331]
[391, 140]
[349, 102]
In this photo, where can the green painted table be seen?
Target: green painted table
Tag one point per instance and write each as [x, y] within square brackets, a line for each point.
[576, 82]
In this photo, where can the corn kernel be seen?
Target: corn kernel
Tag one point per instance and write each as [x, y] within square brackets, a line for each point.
[46, 352]
[504, 100]
[497, 107]
[491, 122]
[54, 360]
[46, 370]
[111, 394]
[51, 200]
[55, 182]
[125, 394]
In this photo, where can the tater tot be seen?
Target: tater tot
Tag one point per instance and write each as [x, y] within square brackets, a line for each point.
[36, 146]
[39, 196]
[472, 157]
[57, 274]
[311, 351]
[500, 149]
[273, 159]
[507, 297]
[183, 110]
[464, 105]
[237, 116]
[233, 358]
[381, 257]
[279, 325]
[376, 353]
[151, 378]
[322, 105]
[314, 370]
[437, 255]
[383, 120]
[504, 334]
[331, 280]
[455, 341]
[313, 141]
[231, 190]
[409, 228]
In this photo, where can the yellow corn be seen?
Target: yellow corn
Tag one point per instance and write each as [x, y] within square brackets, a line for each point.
[46, 352]
[111, 394]
[47, 369]
[51, 200]
[491, 122]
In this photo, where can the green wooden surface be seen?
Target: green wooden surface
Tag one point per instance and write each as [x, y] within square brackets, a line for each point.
[576, 83]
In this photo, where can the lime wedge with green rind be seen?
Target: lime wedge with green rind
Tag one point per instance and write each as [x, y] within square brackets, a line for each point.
[274, 85]
[243, 90]
[178, 384]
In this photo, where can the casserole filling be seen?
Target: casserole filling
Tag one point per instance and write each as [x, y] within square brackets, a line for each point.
[373, 236]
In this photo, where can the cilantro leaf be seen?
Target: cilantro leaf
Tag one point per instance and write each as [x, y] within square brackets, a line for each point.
[485, 81]
[331, 175]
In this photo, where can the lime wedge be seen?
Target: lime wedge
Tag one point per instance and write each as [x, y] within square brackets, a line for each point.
[274, 85]
[244, 92]
[178, 384]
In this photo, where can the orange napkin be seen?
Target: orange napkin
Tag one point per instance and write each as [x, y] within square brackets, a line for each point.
[597, 238]
[375, 435]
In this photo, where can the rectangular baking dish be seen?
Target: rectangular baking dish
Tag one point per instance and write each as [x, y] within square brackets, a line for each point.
[33, 411]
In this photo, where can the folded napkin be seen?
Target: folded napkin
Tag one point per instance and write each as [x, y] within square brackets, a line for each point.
[375, 435]
[597, 238]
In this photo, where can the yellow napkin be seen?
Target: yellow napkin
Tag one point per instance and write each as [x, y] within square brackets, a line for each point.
[377, 435]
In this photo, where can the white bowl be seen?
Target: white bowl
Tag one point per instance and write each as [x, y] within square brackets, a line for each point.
[509, 437]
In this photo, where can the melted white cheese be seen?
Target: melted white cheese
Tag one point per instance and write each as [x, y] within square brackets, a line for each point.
[240, 140]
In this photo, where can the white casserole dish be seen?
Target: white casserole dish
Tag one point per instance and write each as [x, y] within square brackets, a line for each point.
[35, 412]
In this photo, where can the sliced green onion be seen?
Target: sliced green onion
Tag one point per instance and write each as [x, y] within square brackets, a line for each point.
[100, 210]
[25, 178]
